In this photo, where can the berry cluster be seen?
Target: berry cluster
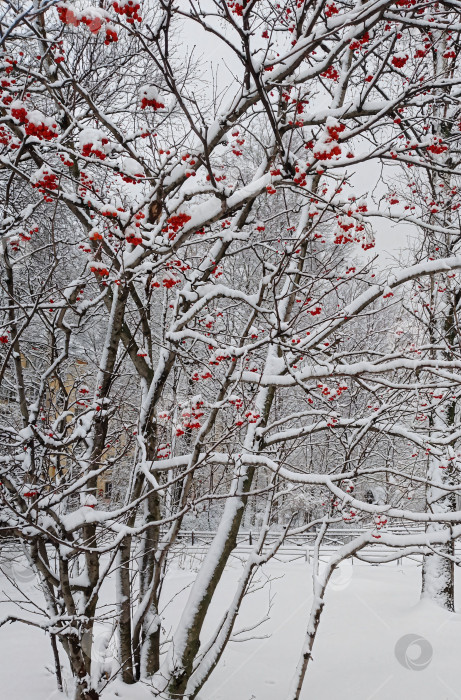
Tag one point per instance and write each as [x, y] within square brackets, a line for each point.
[45, 181]
[129, 8]
[176, 222]
[35, 123]
[151, 98]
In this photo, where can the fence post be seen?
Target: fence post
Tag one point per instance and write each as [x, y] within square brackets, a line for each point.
[192, 537]
[250, 539]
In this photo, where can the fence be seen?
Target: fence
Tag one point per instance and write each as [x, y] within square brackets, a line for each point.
[196, 542]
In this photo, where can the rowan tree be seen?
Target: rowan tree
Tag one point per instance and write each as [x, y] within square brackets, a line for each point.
[207, 252]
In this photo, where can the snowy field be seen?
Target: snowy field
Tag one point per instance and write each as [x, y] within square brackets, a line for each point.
[368, 610]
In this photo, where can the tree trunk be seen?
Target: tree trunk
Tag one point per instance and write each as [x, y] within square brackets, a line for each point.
[124, 609]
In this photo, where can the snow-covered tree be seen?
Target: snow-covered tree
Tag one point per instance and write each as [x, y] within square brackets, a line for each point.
[190, 302]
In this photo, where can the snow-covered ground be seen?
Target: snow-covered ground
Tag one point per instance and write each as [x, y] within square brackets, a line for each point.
[368, 610]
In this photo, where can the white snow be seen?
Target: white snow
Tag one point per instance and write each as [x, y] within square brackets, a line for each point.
[368, 609]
